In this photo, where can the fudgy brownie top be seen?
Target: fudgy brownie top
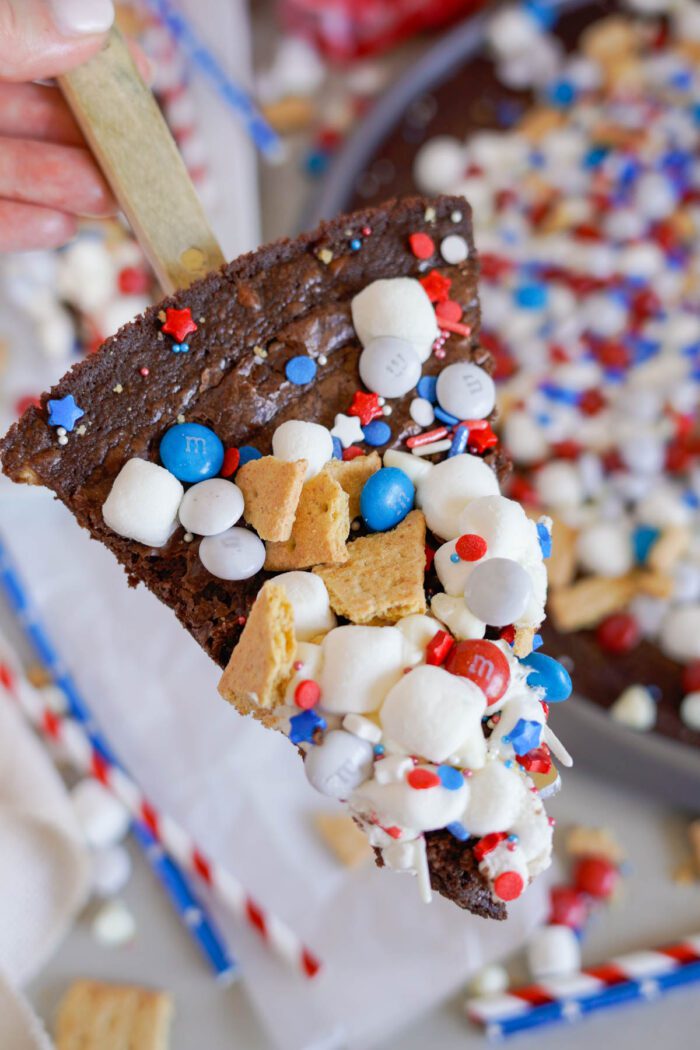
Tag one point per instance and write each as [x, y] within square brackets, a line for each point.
[253, 315]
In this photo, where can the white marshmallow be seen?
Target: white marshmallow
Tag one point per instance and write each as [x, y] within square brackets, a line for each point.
[496, 797]
[397, 803]
[491, 980]
[417, 630]
[439, 163]
[297, 439]
[363, 727]
[635, 708]
[435, 715]
[457, 618]
[466, 391]
[397, 306]
[103, 819]
[690, 711]
[86, 275]
[553, 951]
[114, 924]
[680, 633]
[413, 466]
[604, 549]
[309, 599]
[392, 768]
[143, 503]
[453, 575]
[360, 665]
[210, 507]
[307, 664]
[524, 438]
[111, 870]
[444, 492]
[558, 485]
[339, 764]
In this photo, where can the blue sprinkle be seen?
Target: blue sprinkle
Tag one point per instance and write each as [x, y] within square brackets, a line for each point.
[303, 726]
[537, 642]
[450, 778]
[300, 370]
[316, 163]
[513, 838]
[509, 763]
[458, 830]
[595, 157]
[532, 296]
[543, 11]
[691, 499]
[379, 749]
[459, 442]
[356, 244]
[562, 93]
[560, 394]
[377, 432]
[181, 348]
[445, 417]
[247, 452]
[455, 558]
[643, 539]
[337, 448]
[545, 538]
[426, 388]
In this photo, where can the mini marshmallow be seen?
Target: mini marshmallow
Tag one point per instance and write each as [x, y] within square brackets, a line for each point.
[453, 575]
[360, 665]
[392, 769]
[114, 924]
[103, 819]
[307, 664]
[457, 618]
[399, 804]
[553, 951]
[339, 764]
[438, 163]
[680, 633]
[444, 492]
[309, 598]
[496, 797]
[491, 980]
[524, 438]
[558, 485]
[402, 856]
[297, 439]
[604, 549]
[690, 711]
[86, 275]
[413, 467]
[635, 708]
[417, 630]
[397, 306]
[504, 525]
[143, 503]
[363, 727]
[111, 870]
[210, 507]
[435, 715]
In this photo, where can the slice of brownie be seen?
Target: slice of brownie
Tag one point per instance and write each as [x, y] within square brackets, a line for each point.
[253, 316]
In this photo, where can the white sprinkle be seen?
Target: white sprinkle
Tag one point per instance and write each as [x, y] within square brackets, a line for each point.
[430, 214]
[188, 537]
[82, 429]
[60, 431]
[422, 412]
[181, 418]
[456, 216]
[117, 389]
[454, 249]
[432, 448]
[63, 440]
[322, 359]
[387, 410]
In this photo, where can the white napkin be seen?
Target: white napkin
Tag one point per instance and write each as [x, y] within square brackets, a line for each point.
[44, 872]
[240, 790]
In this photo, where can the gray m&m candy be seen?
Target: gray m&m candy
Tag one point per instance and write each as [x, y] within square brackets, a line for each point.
[498, 591]
[389, 366]
[211, 507]
[236, 554]
[466, 391]
[339, 764]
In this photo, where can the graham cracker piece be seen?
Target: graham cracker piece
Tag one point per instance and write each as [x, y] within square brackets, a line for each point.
[655, 584]
[271, 489]
[343, 838]
[670, 546]
[524, 637]
[352, 474]
[537, 123]
[584, 841]
[382, 580]
[97, 1016]
[320, 529]
[588, 601]
[260, 667]
[561, 564]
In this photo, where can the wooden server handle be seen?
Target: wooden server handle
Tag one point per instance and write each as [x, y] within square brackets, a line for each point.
[133, 145]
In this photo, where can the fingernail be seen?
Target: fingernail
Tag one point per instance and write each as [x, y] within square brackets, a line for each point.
[82, 17]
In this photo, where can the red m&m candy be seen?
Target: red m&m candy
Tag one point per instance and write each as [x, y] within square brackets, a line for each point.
[596, 876]
[569, 907]
[618, 633]
[483, 663]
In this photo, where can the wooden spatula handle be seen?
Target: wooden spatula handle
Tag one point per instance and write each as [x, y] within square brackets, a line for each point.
[133, 145]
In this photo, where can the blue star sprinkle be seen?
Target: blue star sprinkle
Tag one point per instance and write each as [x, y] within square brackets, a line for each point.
[302, 727]
[64, 412]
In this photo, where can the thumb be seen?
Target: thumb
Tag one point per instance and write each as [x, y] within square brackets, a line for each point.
[42, 38]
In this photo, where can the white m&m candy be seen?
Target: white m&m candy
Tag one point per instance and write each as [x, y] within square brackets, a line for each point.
[399, 307]
[389, 366]
[339, 764]
[680, 633]
[297, 439]
[466, 391]
[309, 599]
[211, 506]
[236, 554]
[439, 163]
[498, 591]
[446, 489]
[553, 951]
[143, 503]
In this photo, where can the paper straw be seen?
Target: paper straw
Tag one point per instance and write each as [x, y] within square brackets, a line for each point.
[264, 137]
[189, 909]
[636, 977]
[78, 733]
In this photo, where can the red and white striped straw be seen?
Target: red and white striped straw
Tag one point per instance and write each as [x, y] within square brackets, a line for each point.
[65, 730]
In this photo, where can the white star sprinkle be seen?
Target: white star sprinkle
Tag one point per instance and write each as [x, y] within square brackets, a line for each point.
[347, 429]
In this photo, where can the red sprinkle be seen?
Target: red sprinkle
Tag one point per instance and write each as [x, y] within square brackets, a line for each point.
[437, 286]
[448, 311]
[133, 281]
[352, 452]
[366, 231]
[507, 634]
[422, 245]
[488, 843]
[536, 761]
[144, 371]
[420, 779]
[569, 907]
[454, 326]
[393, 831]
[438, 647]
[307, 694]
[424, 439]
[591, 402]
[429, 558]
[618, 633]
[471, 547]
[508, 885]
[232, 458]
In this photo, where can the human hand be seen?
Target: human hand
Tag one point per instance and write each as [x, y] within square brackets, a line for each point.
[47, 174]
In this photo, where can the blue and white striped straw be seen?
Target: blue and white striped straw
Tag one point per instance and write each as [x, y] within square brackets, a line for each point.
[191, 911]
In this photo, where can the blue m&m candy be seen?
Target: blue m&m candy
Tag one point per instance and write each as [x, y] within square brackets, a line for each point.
[386, 499]
[191, 452]
[550, 675]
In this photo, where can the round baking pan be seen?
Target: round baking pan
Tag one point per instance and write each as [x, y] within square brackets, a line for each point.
[645, 761]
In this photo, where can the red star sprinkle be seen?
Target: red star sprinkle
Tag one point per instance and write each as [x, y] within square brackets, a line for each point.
[449, 310]
[437, 286]
[422, 245]
[366, 406]
[179, 324]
